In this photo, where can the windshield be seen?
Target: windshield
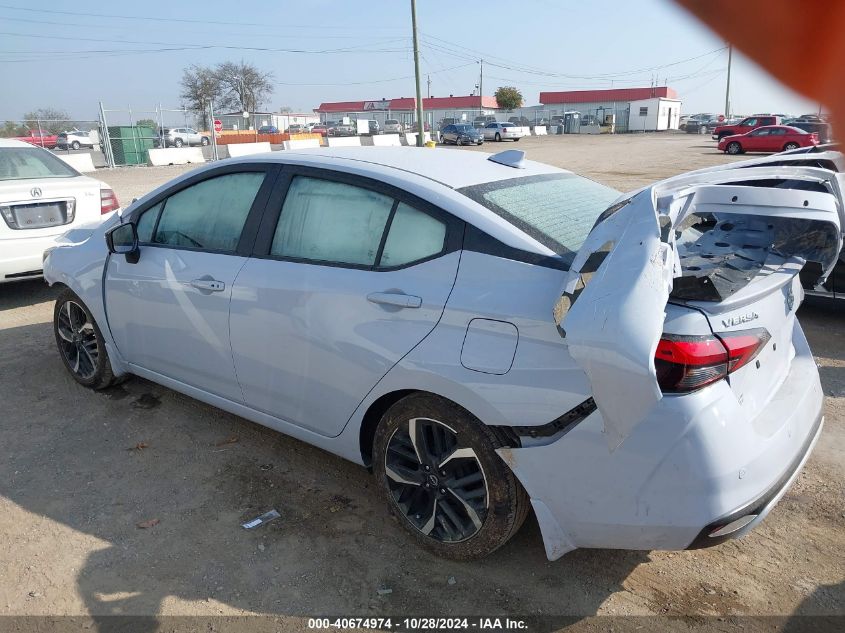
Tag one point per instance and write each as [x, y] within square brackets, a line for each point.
[20, 163]
[558, 210]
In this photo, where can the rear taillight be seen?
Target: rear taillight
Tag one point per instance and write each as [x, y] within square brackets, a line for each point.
[108, 201]
[687, 363]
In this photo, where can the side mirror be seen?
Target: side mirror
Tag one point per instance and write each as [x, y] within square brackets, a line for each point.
[123, 239]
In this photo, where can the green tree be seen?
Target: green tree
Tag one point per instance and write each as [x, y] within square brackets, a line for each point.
[11, 128]
[243, 85]
[51, 120]
[509, 98]
[200, 88]
[147, 123]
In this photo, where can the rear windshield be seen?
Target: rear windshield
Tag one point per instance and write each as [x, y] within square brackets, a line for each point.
[558, 210]
[31, 162]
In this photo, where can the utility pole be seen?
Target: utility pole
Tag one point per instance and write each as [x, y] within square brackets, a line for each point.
[728, 85]
[481, 83]
[420, 124]
[429, 86]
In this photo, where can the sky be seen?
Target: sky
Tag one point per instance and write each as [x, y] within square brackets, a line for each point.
[67, 54]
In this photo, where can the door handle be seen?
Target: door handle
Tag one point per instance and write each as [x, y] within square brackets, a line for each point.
[209, 285]
[396, 299]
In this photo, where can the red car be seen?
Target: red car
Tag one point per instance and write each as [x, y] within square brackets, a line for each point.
[322, 129]
[42, 138]
[770, 138]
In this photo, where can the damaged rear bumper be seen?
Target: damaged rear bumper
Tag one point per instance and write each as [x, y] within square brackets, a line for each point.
[695, 464]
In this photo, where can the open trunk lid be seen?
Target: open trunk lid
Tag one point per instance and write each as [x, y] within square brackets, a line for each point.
[730, 251]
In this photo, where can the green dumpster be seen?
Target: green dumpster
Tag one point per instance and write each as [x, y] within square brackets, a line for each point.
[130, 143]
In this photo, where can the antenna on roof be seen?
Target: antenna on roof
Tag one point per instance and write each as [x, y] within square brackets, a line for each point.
[510, 158]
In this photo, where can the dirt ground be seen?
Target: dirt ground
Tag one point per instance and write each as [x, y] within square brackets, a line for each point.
[80, 470]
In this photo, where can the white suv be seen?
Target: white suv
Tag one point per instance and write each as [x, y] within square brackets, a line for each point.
[179, 136]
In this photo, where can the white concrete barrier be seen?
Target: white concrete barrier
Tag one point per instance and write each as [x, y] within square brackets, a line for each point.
[386, 140]
[343, 141]
[540, 130]
[245, 149]
[301, 143]
[411, 138]
[590, 129]
[80, 162]
[175, 156]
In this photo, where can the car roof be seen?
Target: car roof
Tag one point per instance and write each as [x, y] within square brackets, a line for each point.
[9, 142]
[450, 168]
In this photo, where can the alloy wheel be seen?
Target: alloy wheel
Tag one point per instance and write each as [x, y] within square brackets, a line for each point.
[78, 340]
[438, 485]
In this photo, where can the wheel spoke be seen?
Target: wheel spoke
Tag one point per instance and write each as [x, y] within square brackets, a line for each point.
[63, 332]
[412, 432]
[429, 524]
[459, 453]
[75, 367]
[395, 476]
[471, 513]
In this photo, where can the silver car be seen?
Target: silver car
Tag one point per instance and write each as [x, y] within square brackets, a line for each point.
[491, 335]
[179, 136]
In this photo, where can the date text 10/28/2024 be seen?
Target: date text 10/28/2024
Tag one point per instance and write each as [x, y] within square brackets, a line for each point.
[422, 623]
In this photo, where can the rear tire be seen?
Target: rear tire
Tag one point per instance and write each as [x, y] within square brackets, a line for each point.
[733, 148]
[446, 486]
[204, 141]
[790, 146]
[80, 342]
[75, 145]
[178, 142]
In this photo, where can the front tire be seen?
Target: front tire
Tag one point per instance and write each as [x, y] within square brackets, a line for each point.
[178, 142]
[75, 145]
[204, 141]
[80, 342]
[733, 148]
[438, 470]
[790, 146]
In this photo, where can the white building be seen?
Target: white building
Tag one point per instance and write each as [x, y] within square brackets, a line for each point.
[654, 114]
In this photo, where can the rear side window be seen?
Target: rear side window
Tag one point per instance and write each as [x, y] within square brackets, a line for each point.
[329, 221]
[558, 210]
[413, 236]
[209, 215]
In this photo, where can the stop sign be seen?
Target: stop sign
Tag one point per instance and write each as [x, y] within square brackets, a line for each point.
[218, 125]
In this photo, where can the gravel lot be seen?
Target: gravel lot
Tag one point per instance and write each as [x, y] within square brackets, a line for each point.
[80, 470]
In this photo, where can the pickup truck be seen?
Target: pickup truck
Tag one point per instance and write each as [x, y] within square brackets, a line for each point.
[41, 138]
[746, 125]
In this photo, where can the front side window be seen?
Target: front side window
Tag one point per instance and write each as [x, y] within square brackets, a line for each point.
[558, 210]
[329, 221]
[147, 223]
[209, 215]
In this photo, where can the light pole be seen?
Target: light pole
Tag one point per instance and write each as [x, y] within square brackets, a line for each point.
[420, 125]
[728, 84]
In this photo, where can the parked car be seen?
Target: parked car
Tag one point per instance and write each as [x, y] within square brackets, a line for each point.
[339, 128]
[816, 125]
[497, 131]
[462, 134]
[268, 129]
[373, 127]
[393, 126]
[320, 128]
[415, 128]
[769, 138]
[179, 136]
[42, 138]
[482, 120]
[702, 123]
[41, 198]
[746, 125]
[75, 139]
[297, 128]
[520, 121]
[656, 382]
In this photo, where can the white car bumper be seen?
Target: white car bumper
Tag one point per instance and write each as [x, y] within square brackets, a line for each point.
[691, 468]
[19, 256]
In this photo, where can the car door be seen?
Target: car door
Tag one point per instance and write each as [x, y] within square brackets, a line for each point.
[489, 131]
[775, 140]
[450, 133]
[168, 310]
[348, 275]
[756, 140]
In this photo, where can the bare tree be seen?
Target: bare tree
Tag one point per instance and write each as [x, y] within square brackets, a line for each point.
[50, 119]
[200, 88]
[243, 86]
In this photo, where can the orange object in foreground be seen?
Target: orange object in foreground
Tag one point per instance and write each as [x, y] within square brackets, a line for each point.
[801, 42]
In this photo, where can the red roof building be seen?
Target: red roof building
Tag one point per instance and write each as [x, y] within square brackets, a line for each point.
[611, 94]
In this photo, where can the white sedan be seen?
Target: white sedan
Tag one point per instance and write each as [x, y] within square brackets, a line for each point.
[497, 131]
[41, 197]
[402, 308]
